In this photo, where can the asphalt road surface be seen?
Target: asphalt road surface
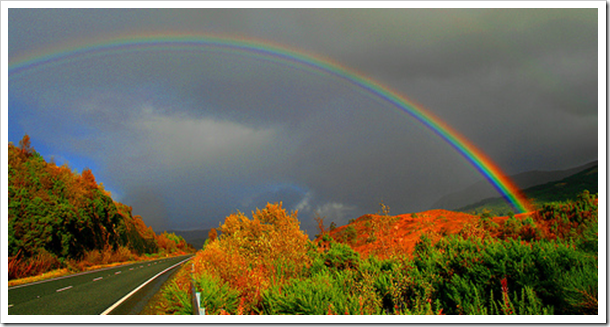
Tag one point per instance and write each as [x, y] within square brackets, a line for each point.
[89, 293]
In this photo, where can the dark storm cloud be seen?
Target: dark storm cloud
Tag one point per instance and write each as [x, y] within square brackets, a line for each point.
[151, 205]
[455, 42]
[188, 138]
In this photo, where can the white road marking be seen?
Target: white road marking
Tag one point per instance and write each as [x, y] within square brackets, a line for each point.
[62, 277]
[96, 279]
[139, 287]
[63, 289]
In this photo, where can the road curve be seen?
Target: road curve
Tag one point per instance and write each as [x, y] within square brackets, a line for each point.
[89, 293]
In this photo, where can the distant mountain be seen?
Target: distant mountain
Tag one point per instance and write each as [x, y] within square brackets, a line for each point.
[561, 190]
[195, 237]
[483, 190]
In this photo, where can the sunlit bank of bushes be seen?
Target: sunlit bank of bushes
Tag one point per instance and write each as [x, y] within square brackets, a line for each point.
[266, 265]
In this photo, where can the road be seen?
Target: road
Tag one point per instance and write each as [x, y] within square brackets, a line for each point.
[89, 293]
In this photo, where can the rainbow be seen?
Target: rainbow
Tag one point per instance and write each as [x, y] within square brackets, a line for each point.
[286, 56]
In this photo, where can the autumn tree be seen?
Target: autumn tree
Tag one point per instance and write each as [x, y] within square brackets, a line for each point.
[381, 224]
[321, 228]
[171, 243]
[212, 235]
[25, 145]
[333, 226]
[88, 179]
[250, 253]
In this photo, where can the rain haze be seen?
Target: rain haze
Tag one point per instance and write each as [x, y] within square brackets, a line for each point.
[189, 137]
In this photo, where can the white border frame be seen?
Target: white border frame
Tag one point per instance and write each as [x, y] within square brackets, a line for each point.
[602, 133]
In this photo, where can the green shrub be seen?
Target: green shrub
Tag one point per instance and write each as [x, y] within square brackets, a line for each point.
[350, 234]
[178, 301]
[216, 295]
[530, 304]
[580, 289]
[588, 242]
[459, 273]
[381, 275]
[341, 256]
[323, 293]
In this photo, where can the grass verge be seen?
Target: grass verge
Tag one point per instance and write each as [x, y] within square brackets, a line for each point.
[173, 297]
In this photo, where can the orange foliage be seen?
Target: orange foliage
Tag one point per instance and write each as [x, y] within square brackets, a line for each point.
[25, 145]
[19, 267]
[321, 228]
[170, 243]
[106, 256]
[250, 253]
[212, 235]
[386, 236]
[163, 241]
[88, 179]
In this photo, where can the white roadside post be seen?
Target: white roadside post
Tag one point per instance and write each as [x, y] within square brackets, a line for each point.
[195, 296]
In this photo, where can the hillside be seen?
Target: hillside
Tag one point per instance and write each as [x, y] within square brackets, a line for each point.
[60, 219]
[560, 190]
[483, 190]
[386, 236]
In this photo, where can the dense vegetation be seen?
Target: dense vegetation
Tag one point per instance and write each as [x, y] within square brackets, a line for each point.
[61, 219]
[540, 263]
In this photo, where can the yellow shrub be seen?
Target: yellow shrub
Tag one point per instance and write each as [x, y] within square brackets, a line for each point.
[251, 253]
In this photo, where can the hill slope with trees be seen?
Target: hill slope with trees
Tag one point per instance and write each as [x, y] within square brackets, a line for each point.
[61, 219]
[483, 190]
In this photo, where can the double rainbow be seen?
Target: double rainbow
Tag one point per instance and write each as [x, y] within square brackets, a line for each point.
[286, 56]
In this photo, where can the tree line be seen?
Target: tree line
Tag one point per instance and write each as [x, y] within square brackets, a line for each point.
[58, 218]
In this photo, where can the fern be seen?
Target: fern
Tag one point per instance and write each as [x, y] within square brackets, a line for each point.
[216, 295]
